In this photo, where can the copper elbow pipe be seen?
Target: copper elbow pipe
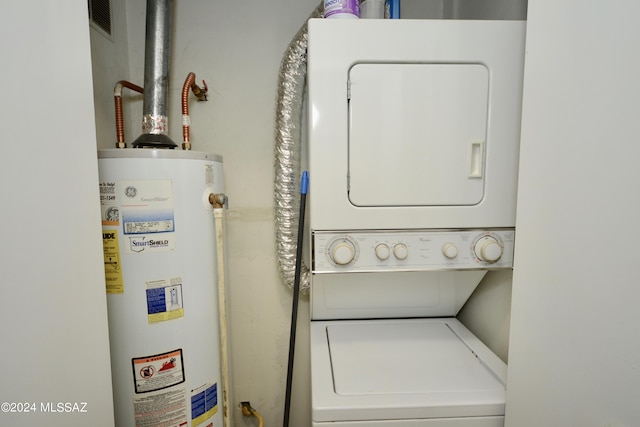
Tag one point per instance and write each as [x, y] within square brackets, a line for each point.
[117, 95]
[218, 200]
[201, 94]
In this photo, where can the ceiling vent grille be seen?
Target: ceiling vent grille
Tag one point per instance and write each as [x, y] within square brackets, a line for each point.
[100, 15]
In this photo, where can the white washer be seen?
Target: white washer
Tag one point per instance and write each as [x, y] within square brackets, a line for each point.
[377, 359]
[413, 159]
[419, 372]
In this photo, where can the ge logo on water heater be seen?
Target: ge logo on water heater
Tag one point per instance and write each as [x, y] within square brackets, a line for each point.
[131, 191]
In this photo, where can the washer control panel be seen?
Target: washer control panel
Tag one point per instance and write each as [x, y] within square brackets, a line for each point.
[412, 250]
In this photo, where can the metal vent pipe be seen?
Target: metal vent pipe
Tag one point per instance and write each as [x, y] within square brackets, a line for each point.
[156, 76]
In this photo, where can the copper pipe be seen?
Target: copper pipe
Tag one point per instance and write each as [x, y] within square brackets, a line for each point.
[201, 94]
[117, 95]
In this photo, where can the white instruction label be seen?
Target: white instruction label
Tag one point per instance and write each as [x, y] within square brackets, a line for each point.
[164, 409]
[164, 299]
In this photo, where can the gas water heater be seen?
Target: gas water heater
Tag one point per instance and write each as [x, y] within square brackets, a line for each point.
[163, 233]
[161, 272]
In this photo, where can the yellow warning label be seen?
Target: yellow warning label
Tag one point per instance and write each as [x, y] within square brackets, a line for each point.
[112, 265]
[170, 315]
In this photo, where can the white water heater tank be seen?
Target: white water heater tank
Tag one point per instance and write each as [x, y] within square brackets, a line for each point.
[160, 269]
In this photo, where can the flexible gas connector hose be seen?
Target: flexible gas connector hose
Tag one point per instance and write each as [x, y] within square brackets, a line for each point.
[117, 96]
[248, 411]
[201, 94]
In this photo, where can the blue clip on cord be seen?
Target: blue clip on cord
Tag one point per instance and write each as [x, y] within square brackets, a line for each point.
[304, 185]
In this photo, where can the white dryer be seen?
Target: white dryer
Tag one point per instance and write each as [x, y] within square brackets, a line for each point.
[413, 157]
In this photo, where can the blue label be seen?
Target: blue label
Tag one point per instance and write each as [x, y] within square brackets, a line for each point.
[204, 401]
[212, 397]
[197, 405]
[156, 301]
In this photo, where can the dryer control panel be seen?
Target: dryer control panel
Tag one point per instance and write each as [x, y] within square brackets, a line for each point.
[412, 250]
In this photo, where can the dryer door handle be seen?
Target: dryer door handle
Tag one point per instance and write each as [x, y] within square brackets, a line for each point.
[476, 159]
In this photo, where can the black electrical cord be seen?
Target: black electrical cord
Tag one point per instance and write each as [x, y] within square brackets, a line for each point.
[296, 292]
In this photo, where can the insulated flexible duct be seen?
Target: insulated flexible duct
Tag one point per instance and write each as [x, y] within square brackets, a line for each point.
[288, 133]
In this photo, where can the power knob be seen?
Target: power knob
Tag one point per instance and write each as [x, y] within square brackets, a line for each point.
[488, 249]
[342, 252]
[449, 250]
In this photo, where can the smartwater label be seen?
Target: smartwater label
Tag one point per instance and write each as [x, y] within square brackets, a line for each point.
[147, 215]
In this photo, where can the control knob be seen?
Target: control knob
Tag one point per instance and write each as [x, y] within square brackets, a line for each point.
[449, 250]
[382, 251]
[400, 251]
[488, 249]
[342, 252]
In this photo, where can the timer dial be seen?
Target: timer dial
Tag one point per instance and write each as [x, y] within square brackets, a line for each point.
[342, 251]
[488, 249]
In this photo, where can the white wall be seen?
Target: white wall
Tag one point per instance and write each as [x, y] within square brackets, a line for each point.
[490, 9]
[574, 357]
[487, 313]
[110, 59]
[54, 328]
[463, 9]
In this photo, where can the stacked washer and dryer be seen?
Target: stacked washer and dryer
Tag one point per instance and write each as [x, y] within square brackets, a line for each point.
[413, 156]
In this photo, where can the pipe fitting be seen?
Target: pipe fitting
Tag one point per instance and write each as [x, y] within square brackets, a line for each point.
[249, 411]
[218, 200]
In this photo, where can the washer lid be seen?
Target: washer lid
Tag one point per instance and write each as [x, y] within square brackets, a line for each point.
[400, 369]
[391, 358]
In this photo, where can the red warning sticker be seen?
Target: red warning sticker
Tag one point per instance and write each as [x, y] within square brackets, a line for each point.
[157, 372]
